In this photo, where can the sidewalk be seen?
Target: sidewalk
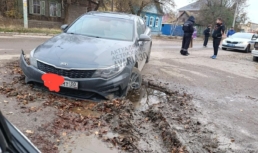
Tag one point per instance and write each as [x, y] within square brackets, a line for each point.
[26, 34]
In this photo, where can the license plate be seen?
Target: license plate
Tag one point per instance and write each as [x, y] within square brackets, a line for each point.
[232, 45]
[70, 84]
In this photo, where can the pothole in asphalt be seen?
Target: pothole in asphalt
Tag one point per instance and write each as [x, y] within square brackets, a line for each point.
[144, 98]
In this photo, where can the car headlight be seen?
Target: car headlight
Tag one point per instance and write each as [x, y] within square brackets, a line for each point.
[109, 72]
[33, 60]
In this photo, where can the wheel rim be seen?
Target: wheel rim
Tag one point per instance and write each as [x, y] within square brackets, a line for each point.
[134, 81]
[248, 48]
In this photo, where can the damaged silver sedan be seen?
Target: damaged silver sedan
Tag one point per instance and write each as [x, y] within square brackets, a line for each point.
[99, 55]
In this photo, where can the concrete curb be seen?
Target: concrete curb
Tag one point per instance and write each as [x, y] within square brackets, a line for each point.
[28, 34]
[173, 38]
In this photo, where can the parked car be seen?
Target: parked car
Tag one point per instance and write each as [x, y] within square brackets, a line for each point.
[255, 51]
[240, 41]
[99, 54]
[12, 140]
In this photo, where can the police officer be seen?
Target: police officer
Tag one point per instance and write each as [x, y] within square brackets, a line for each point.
[188, 32]
[217, 36]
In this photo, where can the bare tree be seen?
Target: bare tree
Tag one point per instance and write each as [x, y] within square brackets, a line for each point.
[211, 9]
[136, 6]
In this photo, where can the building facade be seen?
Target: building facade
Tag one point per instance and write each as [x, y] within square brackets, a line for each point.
[152, 16]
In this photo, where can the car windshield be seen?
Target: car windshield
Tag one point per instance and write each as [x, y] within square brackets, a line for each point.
[103, 27]
[242, 35]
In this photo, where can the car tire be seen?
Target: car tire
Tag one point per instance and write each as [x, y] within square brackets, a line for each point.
[248, 49]
[255, 59]
[224, 48]
[148, 57]
[135, 72]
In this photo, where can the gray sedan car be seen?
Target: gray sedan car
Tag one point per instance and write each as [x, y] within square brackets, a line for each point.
[100, 54]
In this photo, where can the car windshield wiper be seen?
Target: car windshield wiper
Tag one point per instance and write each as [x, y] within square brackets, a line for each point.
[12, 140]
[83, 35]
[92, 36]
[70, 33]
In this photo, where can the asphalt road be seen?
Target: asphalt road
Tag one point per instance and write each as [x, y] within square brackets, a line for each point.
[225, 90]
[11, 45]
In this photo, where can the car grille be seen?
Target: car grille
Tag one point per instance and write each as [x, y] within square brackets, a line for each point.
[66, 73]
[231, 42]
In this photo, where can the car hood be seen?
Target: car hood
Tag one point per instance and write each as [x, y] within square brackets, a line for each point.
[237, 39]
[78, 51]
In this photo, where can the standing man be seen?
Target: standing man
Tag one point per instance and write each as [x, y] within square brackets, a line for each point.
[217, 35]
[207, 34]
[188, 32]
[231, 32]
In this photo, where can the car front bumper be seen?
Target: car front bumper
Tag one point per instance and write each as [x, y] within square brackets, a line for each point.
[88, 88]
[234, 46]
[255, 53]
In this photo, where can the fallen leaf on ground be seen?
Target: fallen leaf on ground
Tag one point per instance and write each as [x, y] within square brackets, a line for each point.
[10, 113]
[29, 132]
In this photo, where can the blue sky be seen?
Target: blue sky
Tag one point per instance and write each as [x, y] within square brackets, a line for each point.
[251, 9]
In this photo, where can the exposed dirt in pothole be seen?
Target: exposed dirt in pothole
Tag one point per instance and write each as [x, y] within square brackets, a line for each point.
[154, 119]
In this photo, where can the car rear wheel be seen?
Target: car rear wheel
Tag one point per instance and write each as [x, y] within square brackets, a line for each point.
[148, 57]
[255, 58]
[135, 81]
[224, 48]
[248, 49]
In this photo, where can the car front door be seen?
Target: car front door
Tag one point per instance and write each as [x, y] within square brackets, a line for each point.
[143, 46]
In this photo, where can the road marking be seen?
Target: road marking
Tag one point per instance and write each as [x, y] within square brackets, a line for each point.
[32, 36]
[7, 57]
[22, 36]
[6, 49]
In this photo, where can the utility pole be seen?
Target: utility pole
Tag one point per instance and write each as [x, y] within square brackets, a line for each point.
[234, 21]
[25, 13]
[112, 7]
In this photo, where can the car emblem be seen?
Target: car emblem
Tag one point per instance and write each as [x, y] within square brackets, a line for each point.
[63, 63]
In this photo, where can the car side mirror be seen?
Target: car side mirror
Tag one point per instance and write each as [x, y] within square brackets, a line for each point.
[64, 27]
[144, 37]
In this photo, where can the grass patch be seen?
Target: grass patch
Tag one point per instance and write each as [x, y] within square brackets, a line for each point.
[29, 30]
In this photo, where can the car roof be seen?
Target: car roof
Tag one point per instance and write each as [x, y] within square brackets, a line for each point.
[113, 14]
[246, 33]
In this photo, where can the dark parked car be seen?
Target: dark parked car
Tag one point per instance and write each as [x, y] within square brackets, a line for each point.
[12, 140]
[99, 54]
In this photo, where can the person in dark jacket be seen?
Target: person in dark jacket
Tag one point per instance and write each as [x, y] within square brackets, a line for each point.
[188, 32]
[231, 32]
[217, 36]
[207, 34]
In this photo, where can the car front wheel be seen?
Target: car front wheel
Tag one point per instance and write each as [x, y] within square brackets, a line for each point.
[255, 58]
[135, 81]
[224, 48]
[248, 49]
